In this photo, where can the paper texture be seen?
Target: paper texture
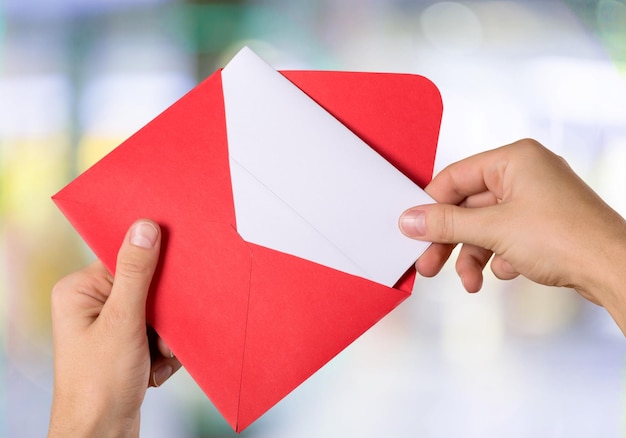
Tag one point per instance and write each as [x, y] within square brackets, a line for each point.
[306, 185]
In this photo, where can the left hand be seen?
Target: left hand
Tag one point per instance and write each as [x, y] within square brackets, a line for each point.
[102, 355]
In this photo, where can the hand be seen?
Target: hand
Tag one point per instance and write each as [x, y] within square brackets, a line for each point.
[525, 206]
[102, 356]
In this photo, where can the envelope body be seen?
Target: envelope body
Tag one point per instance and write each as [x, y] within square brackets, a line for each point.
[248, 323]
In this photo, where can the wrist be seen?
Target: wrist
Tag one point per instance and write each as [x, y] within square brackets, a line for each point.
[614, 297]
[606, 279]
[77, 418]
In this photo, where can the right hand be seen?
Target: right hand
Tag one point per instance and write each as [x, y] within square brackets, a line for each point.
[524, 205]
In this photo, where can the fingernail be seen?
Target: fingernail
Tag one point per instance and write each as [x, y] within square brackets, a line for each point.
[161, 374]
[508, 268]
[413, 223]
[143, 235]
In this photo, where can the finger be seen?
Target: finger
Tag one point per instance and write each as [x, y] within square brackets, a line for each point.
[442, 223]
[470, 264]
[136, 263]
[433, 259]
[77, 299]
[158, 347]
[163, 363]
[483, 199]
[162, 369]
[476, 174]
[164, 350]
[503, 269]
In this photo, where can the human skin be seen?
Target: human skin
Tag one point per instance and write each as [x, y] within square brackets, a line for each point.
[102, 355]
[520, 206]
[524, 208]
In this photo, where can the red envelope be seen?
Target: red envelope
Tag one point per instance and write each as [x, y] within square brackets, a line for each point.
[248, 323]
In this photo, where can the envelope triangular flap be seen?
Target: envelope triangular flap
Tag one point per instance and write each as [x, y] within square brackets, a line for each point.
[396, 114]
[300, 321]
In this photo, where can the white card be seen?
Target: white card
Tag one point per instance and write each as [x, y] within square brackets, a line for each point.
[306, 185]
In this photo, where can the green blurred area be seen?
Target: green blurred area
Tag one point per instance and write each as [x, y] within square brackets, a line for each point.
[607, 19]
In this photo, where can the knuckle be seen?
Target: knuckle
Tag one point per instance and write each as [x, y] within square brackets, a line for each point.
[535, 153]
[115, 316]
[72, 291]
[532, 148]
[133, 268]
[530, 144]
[64, 289]
[446, 221]
[59, 292]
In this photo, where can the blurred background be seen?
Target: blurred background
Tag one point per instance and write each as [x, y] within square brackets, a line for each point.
[516, 360]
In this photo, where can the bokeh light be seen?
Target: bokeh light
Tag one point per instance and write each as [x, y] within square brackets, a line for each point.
[452, 26]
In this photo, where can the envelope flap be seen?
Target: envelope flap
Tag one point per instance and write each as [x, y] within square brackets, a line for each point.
[398, 115]
[156, 171]
[305, 327]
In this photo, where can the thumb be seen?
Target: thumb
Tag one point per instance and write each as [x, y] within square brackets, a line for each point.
[444, 223]
[136, 262]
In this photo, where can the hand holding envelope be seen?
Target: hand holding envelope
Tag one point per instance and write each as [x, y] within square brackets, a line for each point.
[278, 196]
